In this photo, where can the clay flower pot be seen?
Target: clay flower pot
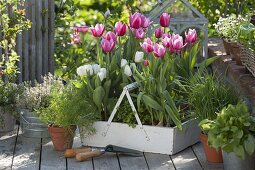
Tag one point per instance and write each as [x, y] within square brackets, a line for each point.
[8, 122]
[62, 138]
[212, 155]
[227, 46]
[236, 53]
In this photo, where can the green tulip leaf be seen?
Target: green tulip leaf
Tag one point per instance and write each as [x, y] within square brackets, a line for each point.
[98, 96]
[151, 102]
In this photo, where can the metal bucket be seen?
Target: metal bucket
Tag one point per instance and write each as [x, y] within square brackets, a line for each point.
[32, 126]
[233, 162]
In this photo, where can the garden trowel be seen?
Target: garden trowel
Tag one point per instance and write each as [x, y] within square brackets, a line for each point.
[94, 152]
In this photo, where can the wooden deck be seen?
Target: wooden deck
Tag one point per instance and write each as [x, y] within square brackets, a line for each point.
[18, 152]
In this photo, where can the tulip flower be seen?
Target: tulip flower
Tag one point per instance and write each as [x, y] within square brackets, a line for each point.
[176, 43]
[107, 45]
[102, 74]
[98, 30]
[145, 22]
[139, 33]
[147, 45]
[96, 68]
[158, 32]
[166, 35]
[82, 28]
[159, 51]
[139, 56]
[135, 20]
[85, 70]
[133, 66]
[123, 62]
[191, 36]
[120, 28]
[166, 41]
[146, 63]
[110, 36]
[107, 13]
[76, 39]
[127, 71]
[164, 20]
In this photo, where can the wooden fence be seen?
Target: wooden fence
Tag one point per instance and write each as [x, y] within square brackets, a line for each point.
[36, 45]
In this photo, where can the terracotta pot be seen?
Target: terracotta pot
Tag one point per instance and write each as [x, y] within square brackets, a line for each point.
[62, 138]
[8, 122]
[212, 155]
[227, 46]
[236, 53]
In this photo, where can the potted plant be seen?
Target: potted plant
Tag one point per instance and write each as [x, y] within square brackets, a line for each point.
[8, 93]
[228, 28]
[68, 107]
[32, 98]
[208, 94]
[233, 131]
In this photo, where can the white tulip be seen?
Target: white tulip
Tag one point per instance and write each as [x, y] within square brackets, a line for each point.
[139, 56]
[96, 68]
[123, 62]
[103, 70]
[127, 71]
[101, 76]
[89, 69]
[81, 71]
[133, 66]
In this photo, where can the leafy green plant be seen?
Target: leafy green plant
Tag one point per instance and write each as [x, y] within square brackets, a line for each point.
[233, 130]
[69, 106]
[246, 35]
[208, 94]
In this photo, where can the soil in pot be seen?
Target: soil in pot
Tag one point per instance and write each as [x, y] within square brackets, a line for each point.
[212, 155]
[8, 122]
[227, 46]
[236, 54]
[62, 138]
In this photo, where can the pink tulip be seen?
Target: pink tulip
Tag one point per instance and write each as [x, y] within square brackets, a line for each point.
[135, 20]
[145, 22]
[159, 51]
[120, 28]
[164, 20]
[166, 41]
[82, 28]
[139, 33]
[166, 35]
[158, 32]
[146, 63]
[147, 45]
[98, 30]
[76, 39]
[176, 43]
[107, 45]
[191, 36]
[110, 36]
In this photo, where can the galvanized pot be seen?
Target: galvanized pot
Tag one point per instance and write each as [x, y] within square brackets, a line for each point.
[32, 126]
[8, 121]
[233, 162]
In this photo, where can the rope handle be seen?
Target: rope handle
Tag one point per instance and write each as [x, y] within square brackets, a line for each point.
[22, 116]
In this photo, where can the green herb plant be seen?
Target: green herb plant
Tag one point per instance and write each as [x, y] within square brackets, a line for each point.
[233, 130]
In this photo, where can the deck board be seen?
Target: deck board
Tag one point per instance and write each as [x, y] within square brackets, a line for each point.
[131, 163]
[186, 160]
[51, 159]
[198, 149]
[27, 153]
[159, 161]
[7, 145]
[107, 161]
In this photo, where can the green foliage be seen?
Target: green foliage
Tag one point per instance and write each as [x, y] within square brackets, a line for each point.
[69, 107]
[246, 35]
[208, 94]
[233, 130]
[11, 26]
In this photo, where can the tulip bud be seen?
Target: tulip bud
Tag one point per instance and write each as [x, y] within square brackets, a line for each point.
[191, 36]
[98, 30]
[164, 20]
[139, 56]
[166, 42]
[158, 32]
[145, 22]
[147, 45]
[81, 71]
[123, 62]
[110, 36]
[82, 28]
[75, 37]
[159, 50]
[96, 68]
[102, 74]
[127, 71]
[120, 28]
[135, 20]
[176, 43]
[107, 45]
[146, 63]
[139, 33]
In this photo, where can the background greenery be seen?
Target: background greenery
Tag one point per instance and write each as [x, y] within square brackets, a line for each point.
[90, 12]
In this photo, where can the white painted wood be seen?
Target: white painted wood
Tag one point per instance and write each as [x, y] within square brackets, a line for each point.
[51, 159]
[186, 160]
[107, 161]
[199, 151]
[7, 144]
[72, 164]
[159, 161]
[162, 139]
[27, 153]
[131, 163]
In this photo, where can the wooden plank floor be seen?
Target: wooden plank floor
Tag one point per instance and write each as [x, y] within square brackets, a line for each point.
[19, 152]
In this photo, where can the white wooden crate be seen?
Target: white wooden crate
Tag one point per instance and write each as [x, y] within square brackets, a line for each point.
[164, 140]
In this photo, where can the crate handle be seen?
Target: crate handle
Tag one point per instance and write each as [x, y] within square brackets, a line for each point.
[21, 115]
[124, 93]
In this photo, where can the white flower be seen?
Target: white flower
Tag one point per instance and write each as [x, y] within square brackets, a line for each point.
[96, 68]
[133, 66]
[102, 74]
[123, 62]
[81, 71]
[89, 69]
[139, 56]
[107, 13]
[127, 71]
